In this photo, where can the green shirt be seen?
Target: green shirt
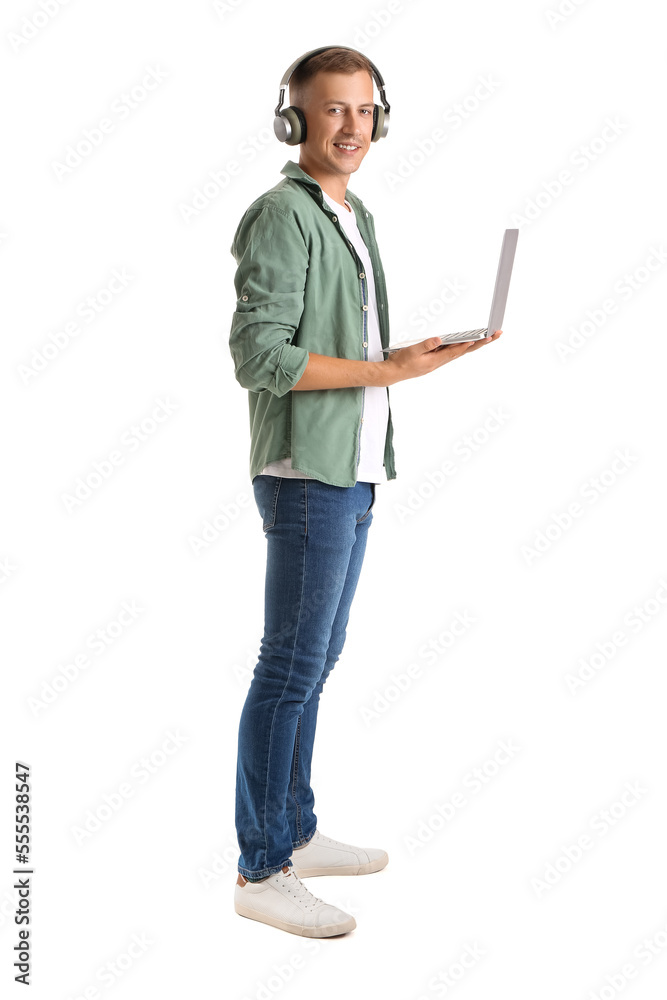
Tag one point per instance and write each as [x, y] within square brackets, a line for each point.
[301, 287]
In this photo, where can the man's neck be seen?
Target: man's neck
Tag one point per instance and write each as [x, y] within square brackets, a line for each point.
[338, 201]
[333, 185]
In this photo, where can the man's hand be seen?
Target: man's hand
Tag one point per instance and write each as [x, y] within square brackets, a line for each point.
[419, 359]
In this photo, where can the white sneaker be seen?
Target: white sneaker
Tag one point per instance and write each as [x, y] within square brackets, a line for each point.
[325, 856]
[283, 901]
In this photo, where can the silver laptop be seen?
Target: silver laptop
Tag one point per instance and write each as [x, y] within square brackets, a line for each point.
[497, 303]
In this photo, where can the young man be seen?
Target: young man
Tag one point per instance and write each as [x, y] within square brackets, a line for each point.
[307, 335]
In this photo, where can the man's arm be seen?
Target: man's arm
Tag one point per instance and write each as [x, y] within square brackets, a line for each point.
[323, 372]
[270, 279]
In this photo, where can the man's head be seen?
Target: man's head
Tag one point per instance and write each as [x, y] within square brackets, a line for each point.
[334, 89]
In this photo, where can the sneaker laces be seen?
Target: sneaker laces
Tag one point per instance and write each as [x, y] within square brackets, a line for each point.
[334, 843]
[300, 892]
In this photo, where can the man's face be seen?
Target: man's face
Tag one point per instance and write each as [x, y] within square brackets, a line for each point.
[339, 110]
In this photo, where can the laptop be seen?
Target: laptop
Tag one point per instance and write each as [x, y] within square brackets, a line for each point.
[497, 303]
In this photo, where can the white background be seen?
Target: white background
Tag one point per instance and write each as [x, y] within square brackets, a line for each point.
[484, 542]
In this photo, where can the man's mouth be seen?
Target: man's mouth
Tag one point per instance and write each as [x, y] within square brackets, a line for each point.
[347, 147]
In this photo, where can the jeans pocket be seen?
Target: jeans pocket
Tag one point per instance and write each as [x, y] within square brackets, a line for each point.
[265, 489]
[368, 512]
[269, 516]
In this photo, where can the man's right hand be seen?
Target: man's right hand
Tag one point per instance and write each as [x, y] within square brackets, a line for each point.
[419, 359]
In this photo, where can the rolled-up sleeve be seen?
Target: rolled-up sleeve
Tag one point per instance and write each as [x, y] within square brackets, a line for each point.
[272, 260]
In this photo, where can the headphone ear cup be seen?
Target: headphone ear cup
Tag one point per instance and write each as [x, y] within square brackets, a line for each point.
[378, 122]
[297, 120]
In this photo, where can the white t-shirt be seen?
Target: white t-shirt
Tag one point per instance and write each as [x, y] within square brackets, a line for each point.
[376, 407]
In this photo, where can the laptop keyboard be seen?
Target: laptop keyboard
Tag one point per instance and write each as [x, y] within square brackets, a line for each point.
[459, 336]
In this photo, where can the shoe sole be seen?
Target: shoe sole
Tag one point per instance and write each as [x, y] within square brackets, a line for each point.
[327, 930]
[370, 866]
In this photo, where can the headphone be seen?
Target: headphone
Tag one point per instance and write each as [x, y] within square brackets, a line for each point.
[289, 125]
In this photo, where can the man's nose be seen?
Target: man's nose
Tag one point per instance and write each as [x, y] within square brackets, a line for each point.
[349, 124]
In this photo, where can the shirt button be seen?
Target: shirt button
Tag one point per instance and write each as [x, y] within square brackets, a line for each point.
[245, 298]
[365, 343]
[334, 218]
[364, 308]
[366, 214]
[362, 275]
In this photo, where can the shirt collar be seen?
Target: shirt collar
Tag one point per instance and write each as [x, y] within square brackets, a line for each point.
[292, 169]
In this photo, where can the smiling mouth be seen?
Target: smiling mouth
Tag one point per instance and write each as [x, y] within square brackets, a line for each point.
[347, 147]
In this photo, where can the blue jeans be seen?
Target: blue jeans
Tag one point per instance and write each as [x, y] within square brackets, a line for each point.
[316, 538]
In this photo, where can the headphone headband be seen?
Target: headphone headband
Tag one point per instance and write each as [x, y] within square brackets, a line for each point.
[297, 62]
